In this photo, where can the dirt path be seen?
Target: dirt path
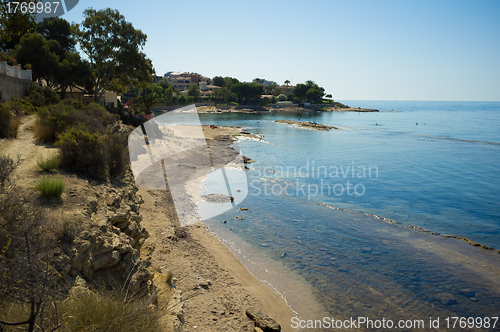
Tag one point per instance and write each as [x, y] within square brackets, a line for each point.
[28, 150]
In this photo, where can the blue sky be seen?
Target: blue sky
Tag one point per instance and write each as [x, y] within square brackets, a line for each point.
[356, 50]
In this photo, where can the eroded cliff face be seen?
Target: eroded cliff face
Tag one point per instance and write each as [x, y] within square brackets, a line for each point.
[106, 247]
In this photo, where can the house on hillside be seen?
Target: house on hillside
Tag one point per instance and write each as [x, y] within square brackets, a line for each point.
[207, 90]
[109, 99]
[196, 78]
[180, 83]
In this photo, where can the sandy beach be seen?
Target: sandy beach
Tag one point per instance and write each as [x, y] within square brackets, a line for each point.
[216, 287]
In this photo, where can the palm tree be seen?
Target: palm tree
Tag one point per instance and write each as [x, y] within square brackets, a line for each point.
[286, 89]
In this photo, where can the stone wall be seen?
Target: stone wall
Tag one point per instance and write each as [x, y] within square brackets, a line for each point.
[13, 81]
[12, 87]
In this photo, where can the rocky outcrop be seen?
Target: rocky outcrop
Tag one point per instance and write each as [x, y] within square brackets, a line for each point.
[106, 250]
[310, 125]
[121, 130]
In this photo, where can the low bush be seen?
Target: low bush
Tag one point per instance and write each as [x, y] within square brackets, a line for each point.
[5, 117]
[15, 123]
[49, 163]
[27, 288]
[116, 154]
[36, 98]
[7, 167]
[41, 95]
[54, 120]
[43, 129]
[20, 107]
[73, 103]
[102, 310]
[100, 113]
[9, 124]
[83, 152]
[50, 187]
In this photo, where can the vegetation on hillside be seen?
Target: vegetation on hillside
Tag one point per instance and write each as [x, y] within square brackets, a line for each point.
[33, 295]
[90, 142]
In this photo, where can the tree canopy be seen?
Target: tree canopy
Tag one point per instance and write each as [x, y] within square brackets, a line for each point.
[218, 81]
[13, 25]
[225, 82]
[310, 92]
[114, 49]
[194, 91]
[247, 92]
[59, 68]
[35, 50]
[151, 97]
[56, 28]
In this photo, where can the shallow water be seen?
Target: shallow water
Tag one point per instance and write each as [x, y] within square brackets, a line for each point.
[314, 198]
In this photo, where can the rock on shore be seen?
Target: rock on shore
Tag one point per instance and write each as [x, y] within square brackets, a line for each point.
[310, 125]
[262, 321]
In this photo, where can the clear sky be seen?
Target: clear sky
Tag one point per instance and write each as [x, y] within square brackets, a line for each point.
[356, 49]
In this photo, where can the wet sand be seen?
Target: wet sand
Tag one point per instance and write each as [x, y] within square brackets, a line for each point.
[198, 256]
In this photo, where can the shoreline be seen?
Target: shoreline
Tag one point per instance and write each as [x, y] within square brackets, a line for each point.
[251, 286]
[217, 286]
[283, 108]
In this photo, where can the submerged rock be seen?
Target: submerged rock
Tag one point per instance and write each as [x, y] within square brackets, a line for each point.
[445, 298]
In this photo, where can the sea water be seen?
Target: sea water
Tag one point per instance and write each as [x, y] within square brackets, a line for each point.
[340, 207]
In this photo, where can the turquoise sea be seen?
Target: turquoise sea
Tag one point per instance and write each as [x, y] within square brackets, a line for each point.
[357, 214]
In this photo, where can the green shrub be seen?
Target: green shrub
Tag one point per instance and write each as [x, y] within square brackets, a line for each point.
[73, 103]
[20, 107]
[116, 154]
[49, 163]
[5, 117]
[41, 95]
[102, 310]
[93, 110]
[50, 187]
[1, 96]
[181, 100]
[43, 128]
[7, 167]
[9, 124]
[15, 123]
[83, 152]
[55, 119]
[36, 98]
